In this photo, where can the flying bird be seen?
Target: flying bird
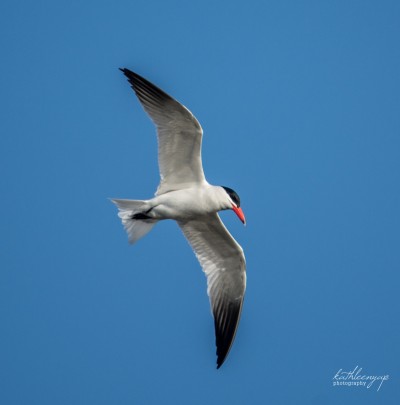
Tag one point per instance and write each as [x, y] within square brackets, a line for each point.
[184, 195]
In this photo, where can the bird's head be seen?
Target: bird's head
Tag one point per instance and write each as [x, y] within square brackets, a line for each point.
[234, 203]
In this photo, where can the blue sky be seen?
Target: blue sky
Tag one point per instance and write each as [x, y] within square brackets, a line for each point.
[299, 102]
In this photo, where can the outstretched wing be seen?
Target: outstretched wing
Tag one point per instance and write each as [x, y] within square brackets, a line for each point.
[179, 135]
[222, 259]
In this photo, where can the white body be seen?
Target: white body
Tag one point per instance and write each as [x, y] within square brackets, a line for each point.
[189, 203]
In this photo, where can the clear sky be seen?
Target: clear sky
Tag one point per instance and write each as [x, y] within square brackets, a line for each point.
[300, 106]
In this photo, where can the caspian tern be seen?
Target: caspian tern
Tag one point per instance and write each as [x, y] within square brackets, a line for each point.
[185, 196]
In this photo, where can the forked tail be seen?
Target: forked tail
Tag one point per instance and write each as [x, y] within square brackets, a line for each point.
[133, 216]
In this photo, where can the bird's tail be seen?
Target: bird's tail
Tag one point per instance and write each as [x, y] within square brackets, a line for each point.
[134, 218]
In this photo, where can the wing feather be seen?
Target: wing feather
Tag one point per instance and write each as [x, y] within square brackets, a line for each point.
[179, 135]
[223, 262]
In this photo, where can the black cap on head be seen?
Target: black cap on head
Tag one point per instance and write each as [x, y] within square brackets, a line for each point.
[234, 197]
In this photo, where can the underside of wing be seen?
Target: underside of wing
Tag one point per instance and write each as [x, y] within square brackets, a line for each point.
[223, 262]
[179, 135]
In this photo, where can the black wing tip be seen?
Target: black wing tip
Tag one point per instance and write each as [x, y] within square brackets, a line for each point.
[131, 76]
[222, 357]
[142, 87]
[225, 335]
[222, 352]
[127, 72]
